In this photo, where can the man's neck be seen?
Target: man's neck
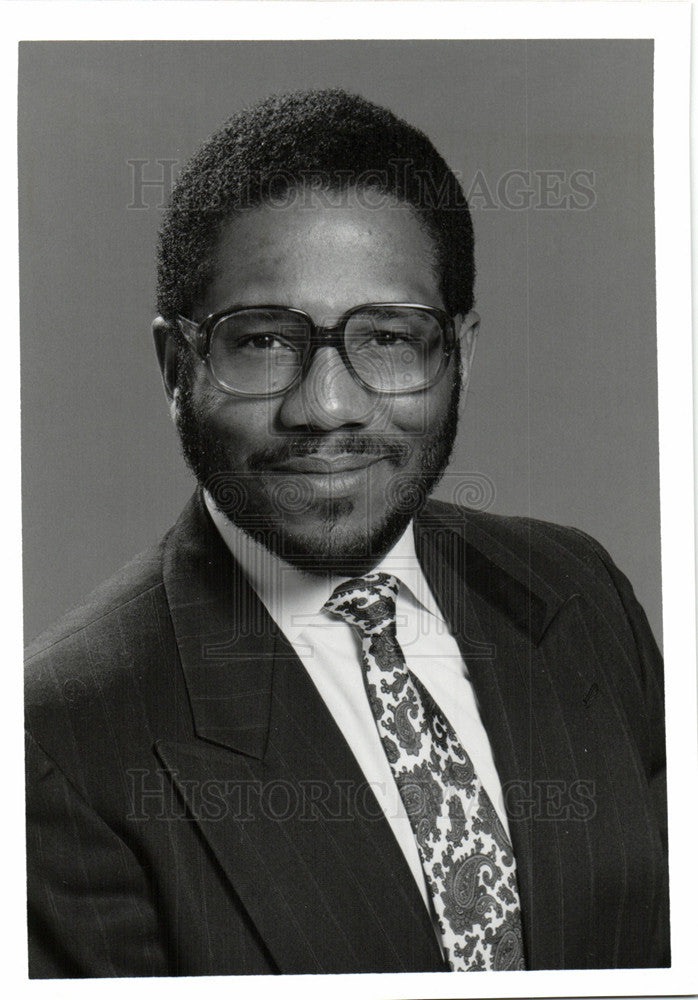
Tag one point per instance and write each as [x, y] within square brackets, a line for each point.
[287, 590]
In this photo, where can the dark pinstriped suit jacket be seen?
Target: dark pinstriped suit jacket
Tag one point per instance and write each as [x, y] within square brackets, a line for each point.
[193, 808]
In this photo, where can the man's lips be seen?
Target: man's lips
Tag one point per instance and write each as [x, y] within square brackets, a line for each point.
[326, 465]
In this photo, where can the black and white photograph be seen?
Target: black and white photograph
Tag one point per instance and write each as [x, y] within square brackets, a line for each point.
[350, 505]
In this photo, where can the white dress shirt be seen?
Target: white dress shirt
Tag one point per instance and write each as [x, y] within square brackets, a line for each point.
[329, 648]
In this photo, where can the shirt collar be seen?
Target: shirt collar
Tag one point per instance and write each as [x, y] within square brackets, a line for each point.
[295, 599]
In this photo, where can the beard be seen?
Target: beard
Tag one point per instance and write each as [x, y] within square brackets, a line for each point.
[283, 512]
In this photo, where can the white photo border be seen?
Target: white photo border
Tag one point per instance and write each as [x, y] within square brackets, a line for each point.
[669, 25]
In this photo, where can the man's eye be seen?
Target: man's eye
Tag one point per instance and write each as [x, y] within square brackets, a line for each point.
[386, 338]
[265, 342]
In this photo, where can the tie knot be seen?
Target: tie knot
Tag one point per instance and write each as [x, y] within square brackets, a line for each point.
[366, 601]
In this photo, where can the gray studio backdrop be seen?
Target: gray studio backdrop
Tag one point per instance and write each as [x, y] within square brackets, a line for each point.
[553, 140]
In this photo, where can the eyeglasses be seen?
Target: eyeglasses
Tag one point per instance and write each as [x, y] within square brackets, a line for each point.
[388, 347]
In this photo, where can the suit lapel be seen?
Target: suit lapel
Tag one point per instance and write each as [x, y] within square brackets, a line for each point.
[499, 612]
[273, 785]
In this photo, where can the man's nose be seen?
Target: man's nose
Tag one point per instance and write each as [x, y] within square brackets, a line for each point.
[328, 396]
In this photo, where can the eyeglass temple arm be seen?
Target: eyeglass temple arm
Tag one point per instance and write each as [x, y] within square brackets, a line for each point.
[191, 332]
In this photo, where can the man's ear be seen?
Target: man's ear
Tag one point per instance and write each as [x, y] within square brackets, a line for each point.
[467, 328]
[166, 350]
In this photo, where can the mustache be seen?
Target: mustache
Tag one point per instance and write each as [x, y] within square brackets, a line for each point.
[393, 449]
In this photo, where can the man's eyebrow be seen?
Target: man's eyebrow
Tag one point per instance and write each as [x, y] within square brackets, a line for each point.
[266, 304]
[229, 307]
[382, 309]
[233, 306]
[396, 311]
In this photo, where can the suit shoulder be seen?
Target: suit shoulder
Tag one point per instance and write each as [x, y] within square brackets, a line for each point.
[85, 649]
[95, 681]
[531, 540]
[554, 561]
[128, 584]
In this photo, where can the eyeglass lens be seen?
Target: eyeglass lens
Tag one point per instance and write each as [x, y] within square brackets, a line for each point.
[391, 349]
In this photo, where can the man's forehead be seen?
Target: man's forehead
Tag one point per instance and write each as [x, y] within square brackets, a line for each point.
[332, 256]
[333, 217]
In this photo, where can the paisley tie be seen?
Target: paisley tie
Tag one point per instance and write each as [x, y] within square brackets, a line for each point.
[465, 852]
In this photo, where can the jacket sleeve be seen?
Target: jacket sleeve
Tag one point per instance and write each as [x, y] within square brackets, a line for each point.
[650, 670]
[650, 667]
[91, 911]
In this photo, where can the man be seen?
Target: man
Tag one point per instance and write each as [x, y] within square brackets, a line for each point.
[328, 725]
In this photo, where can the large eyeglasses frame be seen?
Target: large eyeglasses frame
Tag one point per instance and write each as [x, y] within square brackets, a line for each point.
[199, 336]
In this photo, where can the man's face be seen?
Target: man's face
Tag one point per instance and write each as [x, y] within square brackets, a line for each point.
[327, 474]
